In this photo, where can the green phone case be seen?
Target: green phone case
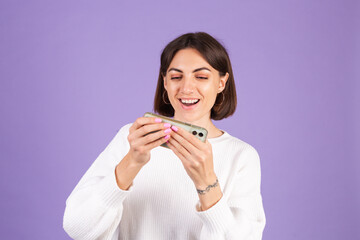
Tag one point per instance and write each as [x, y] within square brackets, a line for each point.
[199, 132]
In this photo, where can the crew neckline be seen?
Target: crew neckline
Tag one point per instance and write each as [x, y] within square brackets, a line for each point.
[219, 138]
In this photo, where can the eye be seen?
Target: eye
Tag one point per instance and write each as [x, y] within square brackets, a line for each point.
[175, 78]
[201, 77]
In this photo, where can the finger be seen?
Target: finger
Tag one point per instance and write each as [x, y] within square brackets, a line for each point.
[141, 121]
[185, 143]
[208, 143]
[149, 129]
[179, 148]
[170, 143]
[156, 143]
[190, 138]
[144, 140]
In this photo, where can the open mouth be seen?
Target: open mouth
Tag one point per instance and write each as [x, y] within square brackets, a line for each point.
[189, 102]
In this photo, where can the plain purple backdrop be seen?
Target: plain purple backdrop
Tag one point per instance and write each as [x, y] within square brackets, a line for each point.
[74, 72]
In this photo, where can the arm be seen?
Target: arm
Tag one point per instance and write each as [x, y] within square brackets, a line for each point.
[239, 214]
[94, 208]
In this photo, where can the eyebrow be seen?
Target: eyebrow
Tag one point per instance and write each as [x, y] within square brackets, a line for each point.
[196, 70]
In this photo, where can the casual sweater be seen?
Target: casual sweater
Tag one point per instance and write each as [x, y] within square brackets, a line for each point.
[162, 202]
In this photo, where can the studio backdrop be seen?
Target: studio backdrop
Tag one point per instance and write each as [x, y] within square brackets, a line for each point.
[72, 73]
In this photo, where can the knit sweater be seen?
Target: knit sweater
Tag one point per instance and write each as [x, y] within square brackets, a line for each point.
[162, 202]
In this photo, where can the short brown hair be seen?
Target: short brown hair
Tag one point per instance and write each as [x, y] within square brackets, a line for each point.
[216, 55]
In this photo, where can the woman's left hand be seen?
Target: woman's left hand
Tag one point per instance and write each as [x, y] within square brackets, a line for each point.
[196, 156]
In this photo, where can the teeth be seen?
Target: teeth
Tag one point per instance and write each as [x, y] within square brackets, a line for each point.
[189, 101]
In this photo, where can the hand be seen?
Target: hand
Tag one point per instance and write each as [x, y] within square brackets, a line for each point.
[196, 156]
[145, 134]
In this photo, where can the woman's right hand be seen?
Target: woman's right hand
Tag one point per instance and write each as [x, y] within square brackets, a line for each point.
[145, 134]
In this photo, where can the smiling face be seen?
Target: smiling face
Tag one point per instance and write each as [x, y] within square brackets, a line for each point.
[192, 85]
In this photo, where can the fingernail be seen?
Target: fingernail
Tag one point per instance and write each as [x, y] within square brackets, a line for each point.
[168, 130]
[167, 136]
[158, 120]
[167, 125]
[174, 128]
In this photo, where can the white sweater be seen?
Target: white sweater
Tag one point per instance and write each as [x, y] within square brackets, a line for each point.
[162, 202]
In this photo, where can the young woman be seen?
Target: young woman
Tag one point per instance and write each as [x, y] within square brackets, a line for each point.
[194, 190]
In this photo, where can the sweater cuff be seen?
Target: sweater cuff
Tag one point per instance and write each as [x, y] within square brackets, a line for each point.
[218, 218]
[109, 192]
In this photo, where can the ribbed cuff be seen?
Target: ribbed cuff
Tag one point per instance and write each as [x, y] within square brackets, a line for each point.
[218, 218]
[109, 192]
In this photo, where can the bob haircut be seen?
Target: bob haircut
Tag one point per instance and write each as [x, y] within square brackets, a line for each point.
[216, 55]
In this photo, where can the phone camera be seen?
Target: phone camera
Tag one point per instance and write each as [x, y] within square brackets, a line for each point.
[200, 134]
[194, 132]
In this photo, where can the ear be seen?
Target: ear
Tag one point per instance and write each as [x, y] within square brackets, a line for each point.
[223, 81]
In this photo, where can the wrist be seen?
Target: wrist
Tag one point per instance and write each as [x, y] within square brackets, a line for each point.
[211, 179]
[208, 188]
[133, 161]
[209, 199]
[126, 172]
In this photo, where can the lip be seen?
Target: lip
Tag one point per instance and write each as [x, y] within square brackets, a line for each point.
[189, 107]
[189, 98]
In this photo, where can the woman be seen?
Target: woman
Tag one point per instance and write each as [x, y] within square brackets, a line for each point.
[194, 190]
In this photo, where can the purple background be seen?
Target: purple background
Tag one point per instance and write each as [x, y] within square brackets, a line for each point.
[73, 72]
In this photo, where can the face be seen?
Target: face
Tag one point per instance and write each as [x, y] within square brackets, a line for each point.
[192, 86]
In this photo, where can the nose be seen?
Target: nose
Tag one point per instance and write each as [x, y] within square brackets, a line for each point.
[188, 85]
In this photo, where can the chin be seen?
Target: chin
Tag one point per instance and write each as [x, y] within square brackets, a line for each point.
[189, 117]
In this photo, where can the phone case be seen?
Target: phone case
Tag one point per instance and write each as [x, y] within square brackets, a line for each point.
[199, 132]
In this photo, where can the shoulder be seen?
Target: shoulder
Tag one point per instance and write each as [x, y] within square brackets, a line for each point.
[235, 144]
[239, 150]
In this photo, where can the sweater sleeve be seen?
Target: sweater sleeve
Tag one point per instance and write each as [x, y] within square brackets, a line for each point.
[94, 208]
[239, 214]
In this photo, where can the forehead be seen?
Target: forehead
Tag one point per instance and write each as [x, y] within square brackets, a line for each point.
[189, 59]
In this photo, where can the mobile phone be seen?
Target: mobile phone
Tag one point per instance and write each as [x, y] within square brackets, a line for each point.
[199, 132]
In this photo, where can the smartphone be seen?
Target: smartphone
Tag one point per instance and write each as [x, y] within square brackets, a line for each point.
[199, 132]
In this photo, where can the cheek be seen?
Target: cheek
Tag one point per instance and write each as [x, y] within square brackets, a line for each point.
[171, 88]
[209, 91]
